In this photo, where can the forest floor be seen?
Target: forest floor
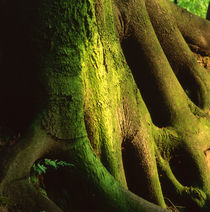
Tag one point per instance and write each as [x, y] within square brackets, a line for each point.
[203, 60]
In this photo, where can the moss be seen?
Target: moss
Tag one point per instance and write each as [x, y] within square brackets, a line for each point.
[98, 180]
[6, 205]
[4, 201]
[102, 96]
[61, 41]
[88, 90]
[197, 195]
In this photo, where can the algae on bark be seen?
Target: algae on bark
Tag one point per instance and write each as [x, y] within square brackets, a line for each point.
[117, 101]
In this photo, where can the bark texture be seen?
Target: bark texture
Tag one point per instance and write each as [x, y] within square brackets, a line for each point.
[208, 13]
[113, 88]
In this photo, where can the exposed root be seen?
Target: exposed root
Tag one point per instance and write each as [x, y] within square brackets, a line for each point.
[196, 30]
[23, 195]
[194, 80]
[159, 65]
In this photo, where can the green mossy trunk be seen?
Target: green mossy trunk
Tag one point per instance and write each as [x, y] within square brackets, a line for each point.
[117, 93]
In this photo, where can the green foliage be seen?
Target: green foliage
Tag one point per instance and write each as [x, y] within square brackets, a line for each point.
[42, 166]
[39, 168]
[197, 7]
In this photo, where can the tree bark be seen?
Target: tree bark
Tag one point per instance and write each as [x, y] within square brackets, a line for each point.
[208, 13]
[117, 93]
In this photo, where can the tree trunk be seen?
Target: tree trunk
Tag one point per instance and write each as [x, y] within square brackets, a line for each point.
[112, 88]
[208, 13]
